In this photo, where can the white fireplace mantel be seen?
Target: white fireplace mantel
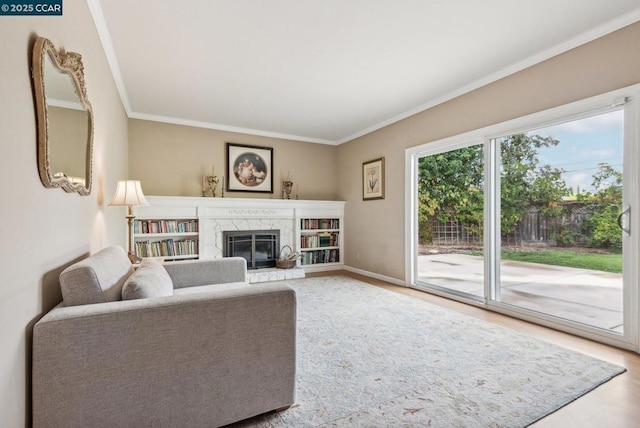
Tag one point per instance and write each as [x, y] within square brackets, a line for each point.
[233, 206]
[217, 215]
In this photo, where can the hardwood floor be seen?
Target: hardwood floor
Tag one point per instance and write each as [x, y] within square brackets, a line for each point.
[613, 404]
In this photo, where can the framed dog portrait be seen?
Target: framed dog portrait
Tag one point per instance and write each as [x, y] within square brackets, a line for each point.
[249, 168]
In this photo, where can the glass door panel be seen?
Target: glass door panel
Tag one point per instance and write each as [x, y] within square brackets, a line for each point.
[560, 198]
[450, 221]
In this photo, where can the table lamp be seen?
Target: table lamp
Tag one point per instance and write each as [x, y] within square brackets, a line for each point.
[129, 194]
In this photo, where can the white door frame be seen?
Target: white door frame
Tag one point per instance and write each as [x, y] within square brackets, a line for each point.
[599, 104]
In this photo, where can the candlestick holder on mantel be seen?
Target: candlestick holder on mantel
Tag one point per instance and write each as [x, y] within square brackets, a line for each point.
[287, 186]
[210, 186]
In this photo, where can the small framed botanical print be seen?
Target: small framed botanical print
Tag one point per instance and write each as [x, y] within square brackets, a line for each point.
[373, 179]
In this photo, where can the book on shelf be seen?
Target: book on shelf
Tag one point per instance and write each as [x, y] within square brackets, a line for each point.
[320, 256]
[321, 223]
[165, 226]
[324, 239]
[166, 248]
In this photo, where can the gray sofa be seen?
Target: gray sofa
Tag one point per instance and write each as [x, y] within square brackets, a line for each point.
[208, 352]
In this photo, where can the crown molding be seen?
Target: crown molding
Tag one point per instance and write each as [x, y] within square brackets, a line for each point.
[588, 36]
[226, 128]
[71, 105]
[103, 32]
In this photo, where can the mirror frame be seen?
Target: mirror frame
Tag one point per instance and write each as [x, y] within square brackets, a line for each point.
[69, 63]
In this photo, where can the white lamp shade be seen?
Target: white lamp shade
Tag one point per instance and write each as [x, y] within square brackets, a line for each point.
[129, 193]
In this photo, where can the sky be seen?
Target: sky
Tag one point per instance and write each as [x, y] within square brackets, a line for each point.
[583, 144]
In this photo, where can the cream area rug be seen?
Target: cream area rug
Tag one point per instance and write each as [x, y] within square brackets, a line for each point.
[369, 357]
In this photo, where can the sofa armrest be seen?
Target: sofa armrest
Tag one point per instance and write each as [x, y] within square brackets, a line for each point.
[204, 272]
[202, 359]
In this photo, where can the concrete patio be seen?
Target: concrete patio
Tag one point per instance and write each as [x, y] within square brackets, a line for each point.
[586, 296]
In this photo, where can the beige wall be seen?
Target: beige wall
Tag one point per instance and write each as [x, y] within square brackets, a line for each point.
[375, 229]
[170, 160]
[43, 230]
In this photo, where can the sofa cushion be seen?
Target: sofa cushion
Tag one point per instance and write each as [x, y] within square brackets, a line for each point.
[149, 280]
[211, 287]
[96, 279]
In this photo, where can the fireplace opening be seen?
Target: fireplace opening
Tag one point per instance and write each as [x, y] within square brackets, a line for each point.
[259, 247]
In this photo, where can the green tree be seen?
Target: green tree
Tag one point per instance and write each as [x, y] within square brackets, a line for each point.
[451, 184]
[605, 202]
[524, 182]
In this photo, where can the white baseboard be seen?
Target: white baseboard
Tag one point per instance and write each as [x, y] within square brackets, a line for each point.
[322, 267]
[385, 278]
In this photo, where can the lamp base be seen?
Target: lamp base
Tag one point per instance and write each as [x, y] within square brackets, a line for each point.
[134, 259]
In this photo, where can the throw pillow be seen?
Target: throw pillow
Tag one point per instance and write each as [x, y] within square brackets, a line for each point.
[149, 280]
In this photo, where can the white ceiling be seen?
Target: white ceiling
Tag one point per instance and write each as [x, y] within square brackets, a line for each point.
[328, 71]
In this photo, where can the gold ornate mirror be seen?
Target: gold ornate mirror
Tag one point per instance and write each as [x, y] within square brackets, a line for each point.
[65, 119]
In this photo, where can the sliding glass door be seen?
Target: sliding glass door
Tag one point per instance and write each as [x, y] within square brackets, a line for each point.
[534, 220]
[561, 212]
[451, 221]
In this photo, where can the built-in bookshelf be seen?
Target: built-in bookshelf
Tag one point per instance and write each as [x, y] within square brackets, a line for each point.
[168, 239]
[315, 229]
[320, 241]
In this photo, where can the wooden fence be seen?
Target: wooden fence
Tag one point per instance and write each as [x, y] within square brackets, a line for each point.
[535, 228]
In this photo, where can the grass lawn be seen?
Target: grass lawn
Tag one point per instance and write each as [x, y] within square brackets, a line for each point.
[607, 262]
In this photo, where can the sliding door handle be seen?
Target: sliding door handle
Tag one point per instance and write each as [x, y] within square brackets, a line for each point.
[625, 213]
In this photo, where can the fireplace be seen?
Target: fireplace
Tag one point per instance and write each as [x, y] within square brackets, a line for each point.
[259, 247]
